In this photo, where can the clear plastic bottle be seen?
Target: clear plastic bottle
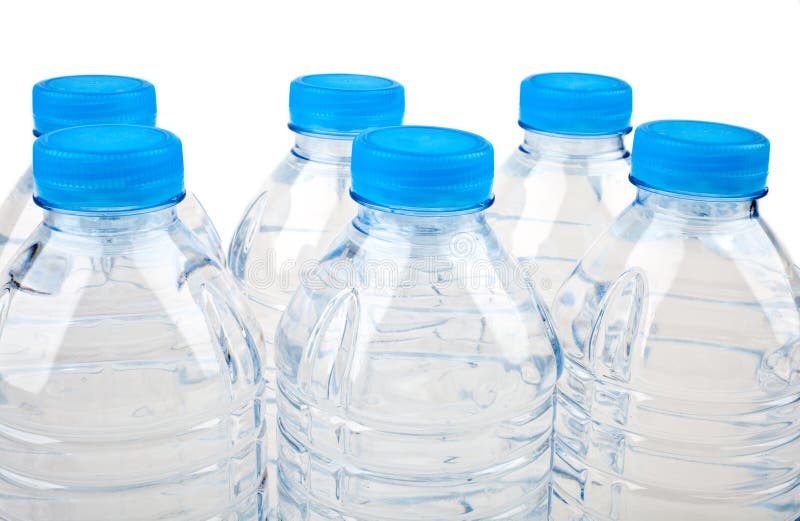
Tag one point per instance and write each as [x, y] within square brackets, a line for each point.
[130, 371]
[679, 328]
[72, 101]
[416, 366]
[569, 179]
[306, 201]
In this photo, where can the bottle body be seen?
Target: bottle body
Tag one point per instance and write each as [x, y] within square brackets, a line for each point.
[415, 378]
[131, 377]
[554, 196]
[19, 216]
[301, 208]
[679, 395]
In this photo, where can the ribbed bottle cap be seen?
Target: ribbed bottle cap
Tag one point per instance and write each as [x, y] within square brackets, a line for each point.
[72, 101]
[108, 168]
[344, 103]
[701, 159]
[574, 103]
[427, 169]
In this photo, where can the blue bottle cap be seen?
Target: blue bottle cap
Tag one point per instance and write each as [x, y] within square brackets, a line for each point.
[107, 168]
[700, 159]
[344, 103]
[72, 101]
[574, 103]
[422, 169]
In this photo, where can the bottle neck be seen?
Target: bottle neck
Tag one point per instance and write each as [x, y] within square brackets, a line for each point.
[104, 225]
[422, 227]
[323, 148]
[697, 210]
[565, 148]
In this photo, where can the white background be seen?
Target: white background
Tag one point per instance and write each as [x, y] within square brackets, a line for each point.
[222, 70]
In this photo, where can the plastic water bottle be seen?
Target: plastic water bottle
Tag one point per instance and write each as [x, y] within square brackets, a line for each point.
[680, 397]
[306, 201]
[416, 368]
[130, 373]
[72, 101]
[569, 179]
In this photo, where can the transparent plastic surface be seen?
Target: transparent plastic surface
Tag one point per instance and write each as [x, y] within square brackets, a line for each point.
[680, 397]
[416, 371]
[554, 196]
[303, 205]
[19, 215]
[130, 377]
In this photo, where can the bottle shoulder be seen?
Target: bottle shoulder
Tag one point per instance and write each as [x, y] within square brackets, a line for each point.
[712, 305]
[295, 216]
[465, 277]
[523, 163]
[52, 261]
[724, 253]
[295, 169]
[299, 187]
[530, 187]
[193, 214]
[378, 310]
[191, 209]
[296, 175]
[162, 318]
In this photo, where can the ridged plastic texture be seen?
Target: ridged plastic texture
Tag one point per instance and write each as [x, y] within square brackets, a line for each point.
[131, 377]
[416, 383]
[344, 103]
[300, 209]
[417, 168]
[679, 395]
[71, 101]
[575, 103]
[101, 168]
[700, 158]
